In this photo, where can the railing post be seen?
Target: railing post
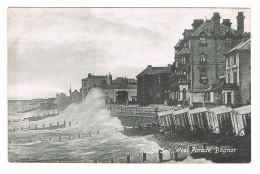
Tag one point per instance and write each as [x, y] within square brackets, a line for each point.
[160, 156]
[128, 159]
[144, 156]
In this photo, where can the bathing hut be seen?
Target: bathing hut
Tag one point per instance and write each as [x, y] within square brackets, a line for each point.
[180, 119]
[198, 118]
[219, 119]
[165, 119]
[241, 120]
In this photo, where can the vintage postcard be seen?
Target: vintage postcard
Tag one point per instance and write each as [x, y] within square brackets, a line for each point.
[129, 85]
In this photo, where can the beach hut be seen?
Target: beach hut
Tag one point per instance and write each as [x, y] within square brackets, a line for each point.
[198, 118]
[241, 120]
[219, 119]
[165, 119]
[180, 119]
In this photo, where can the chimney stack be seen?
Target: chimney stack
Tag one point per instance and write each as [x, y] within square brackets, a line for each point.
[89, 74]
[240, 22]
[148, 66]
[216, 20]
[196, 23]
[227, 23]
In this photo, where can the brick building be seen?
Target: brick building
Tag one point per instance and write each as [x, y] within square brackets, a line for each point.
[94, 81]
[199, 56]
[153, 85]
[237, 90]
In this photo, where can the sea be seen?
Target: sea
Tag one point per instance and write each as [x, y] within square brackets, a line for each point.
[74, 144]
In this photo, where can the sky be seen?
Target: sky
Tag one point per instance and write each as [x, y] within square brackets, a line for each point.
[50, 49]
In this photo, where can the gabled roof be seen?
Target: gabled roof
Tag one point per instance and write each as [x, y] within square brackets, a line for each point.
[181, 111]
[155, 70]
[179, 43]
[242, 46]
[208, 28]
[184, 51]
[188, 32]
[243, 110]
[221, 110]
[169, 112]
[198, 110]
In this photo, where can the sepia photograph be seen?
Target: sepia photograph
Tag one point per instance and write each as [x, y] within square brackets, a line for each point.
[129, 85]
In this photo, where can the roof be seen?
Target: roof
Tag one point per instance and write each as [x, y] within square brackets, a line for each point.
[181, 111]
[208, 28]
[120, 87]
[242, 46]
[243, 110]
[184, 51]
[188, 32]
[75, 91]
[198, 110]
[155, 70]
[216, 87]
[179, 43]
[165, 113]
[221, 110]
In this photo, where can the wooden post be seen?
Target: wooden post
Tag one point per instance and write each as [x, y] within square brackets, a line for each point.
[112, 160]
[79, 135]
[43, 126]
[160, 156]
[95, 160]
[49, 138]
[190, 149]
[64, 123]
[171, 153]
[204, 145]
[89, 134]
[175, 154]
[20, 141]
[98, 132]
[60, 138]
[29, 128]
[58, 123]
[30, 140]
[35, 126]
[70, 123]
[144, 156]
[69, 137]
[50, 124]
[128, 159]
[22, 128]
[124, 128]
[218, 144]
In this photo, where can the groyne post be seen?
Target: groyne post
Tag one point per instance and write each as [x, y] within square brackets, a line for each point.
[49, 138]
[89, 134]
[112, 160]
[58, 123]
[160, 156]
[98, 132]
[43, 126]
[69, 137]
[59, 137]
[64, 123]
[95, 160]
[171, 154]
[144, 156]
[70, 123]
[128, 159]
[190, 149]
[175, 154]
[79, 135]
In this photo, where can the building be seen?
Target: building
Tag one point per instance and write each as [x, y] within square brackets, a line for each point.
[237, 90]
[199, 57]
[153, 85]
[75, 96]
[124, 81]
[120, 94]
[94, 81]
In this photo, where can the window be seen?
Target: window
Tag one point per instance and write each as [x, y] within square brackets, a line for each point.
[228, 77]
[235, 76]
[203, 57]
[184, 94]
[203, 38]
[202, 73]
[228, 40]
[235, 59]
[228, 62]
[183, 60]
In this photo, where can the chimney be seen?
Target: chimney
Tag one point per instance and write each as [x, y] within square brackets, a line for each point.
[240, 22]
[227, 23]
[196, 23]
[216, 20]
[149, 66]
[89, 74]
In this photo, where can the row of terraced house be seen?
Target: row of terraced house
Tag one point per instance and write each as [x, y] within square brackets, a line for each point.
[211, 67]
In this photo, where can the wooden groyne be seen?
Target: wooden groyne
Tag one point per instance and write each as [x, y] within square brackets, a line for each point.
[41, 117]
[27, 109]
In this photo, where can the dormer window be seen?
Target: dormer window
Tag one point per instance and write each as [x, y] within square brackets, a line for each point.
[229, 40]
